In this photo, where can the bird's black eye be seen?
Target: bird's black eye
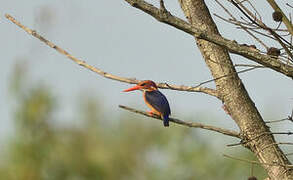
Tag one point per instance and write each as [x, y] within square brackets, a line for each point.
[142, 84]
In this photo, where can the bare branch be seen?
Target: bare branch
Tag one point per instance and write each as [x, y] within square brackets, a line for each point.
[279, 143]
[231, 74]
[209, 91]
[245, 141]
[240, 26]
[238, 23]
[256, 162]
[205, 90]
[188, 124]
[231, 46]
[255, 10]
[289, 118]
[276, 121]
[249, 65]
[289, 5]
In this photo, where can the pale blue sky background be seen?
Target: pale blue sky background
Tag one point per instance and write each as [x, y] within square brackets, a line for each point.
[122, 40]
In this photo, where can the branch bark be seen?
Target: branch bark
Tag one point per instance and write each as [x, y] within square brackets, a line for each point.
[198, 32]
[234, 94]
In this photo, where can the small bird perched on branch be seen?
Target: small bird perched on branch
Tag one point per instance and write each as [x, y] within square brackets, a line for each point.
[154, 99]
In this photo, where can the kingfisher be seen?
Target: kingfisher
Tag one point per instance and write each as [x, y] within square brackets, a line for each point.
[154, 99]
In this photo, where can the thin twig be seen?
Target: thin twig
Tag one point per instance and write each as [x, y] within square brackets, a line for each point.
[256, 162]
[238, 72]
[188, 124]
[235, 144]
[289, 118]
[254, 10]
[249, 65]
[162, 6]
[251, 169]
[276, 121]
[261, 33]
[205, 90]
[239, 24]
[278, 143]
[289, 5]
[245, 141]
[283, 133]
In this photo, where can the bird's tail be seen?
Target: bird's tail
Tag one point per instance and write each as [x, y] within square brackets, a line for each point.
[166, 120]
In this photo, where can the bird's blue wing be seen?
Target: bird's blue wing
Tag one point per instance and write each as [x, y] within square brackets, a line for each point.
[159, 102]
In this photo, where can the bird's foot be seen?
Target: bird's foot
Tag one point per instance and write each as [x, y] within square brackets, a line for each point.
[153, 113]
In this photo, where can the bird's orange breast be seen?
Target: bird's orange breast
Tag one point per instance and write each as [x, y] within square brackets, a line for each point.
[151, 107]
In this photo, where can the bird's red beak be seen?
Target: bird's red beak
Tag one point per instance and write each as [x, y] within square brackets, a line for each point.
[133, 88]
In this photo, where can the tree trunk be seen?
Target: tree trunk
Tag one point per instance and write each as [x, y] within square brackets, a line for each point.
[234, 95]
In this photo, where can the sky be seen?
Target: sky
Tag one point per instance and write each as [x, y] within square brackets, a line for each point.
[119, 39]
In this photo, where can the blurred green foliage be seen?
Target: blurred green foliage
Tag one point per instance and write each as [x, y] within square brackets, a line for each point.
[130, 149]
